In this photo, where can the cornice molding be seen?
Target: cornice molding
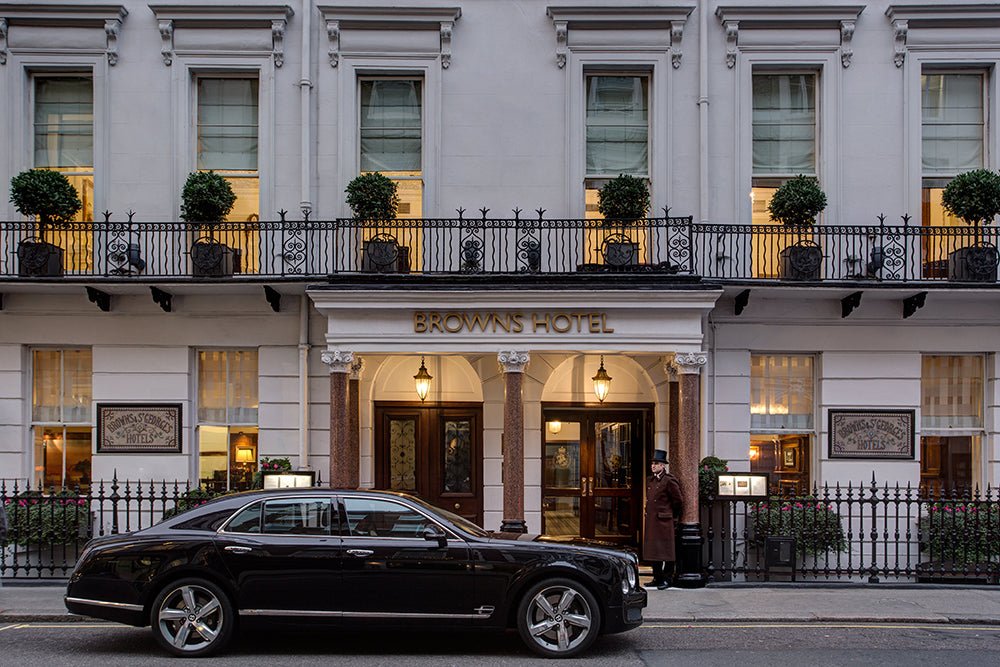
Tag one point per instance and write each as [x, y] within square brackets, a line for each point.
[905, 18]
[339, 18]
[107, 17]
[197, 16]
[841, 18]
[566, 18]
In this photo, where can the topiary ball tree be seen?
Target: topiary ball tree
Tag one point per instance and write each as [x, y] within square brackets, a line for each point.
[46, 194]
[797, 202]
[206, 198]
[624, 198]
[372, 196]
[973, 196]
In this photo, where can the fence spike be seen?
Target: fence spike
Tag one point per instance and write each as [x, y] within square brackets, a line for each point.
[107, 215]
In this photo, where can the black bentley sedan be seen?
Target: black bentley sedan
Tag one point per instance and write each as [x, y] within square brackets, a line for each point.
[351, 558]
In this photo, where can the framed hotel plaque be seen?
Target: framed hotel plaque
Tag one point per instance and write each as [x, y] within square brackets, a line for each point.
[872, 434]
[139, 428]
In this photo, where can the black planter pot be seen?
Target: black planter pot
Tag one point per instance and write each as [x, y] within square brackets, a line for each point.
[801, 261]
[975, 263]
[38, 259]
[212, 259]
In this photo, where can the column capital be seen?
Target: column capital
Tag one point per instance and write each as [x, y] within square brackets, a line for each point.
[513, 361]
[690, 363]
[339, 361]
[670, 368]
[357, 368]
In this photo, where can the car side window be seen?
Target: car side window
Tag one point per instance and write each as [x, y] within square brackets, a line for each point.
[247, 521]
[298, 516]
[383, 518]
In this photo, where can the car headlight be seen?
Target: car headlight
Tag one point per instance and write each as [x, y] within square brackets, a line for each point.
[630, 579]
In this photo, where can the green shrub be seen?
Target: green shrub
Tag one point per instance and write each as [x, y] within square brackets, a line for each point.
[372, 196]
[623, 199]
[973, 196]
[267, 464]
[37, 519]
[45, 193]
[206, 198]
[708, 476]
[797, 202]
[815, 526]
[961, 533]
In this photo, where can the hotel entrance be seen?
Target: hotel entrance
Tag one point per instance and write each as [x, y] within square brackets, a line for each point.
[592, 471]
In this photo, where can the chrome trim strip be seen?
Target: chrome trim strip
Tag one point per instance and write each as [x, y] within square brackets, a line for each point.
[352, 614]
[103, 603]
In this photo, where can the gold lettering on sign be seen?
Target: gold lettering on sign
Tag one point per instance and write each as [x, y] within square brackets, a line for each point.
[494, 322]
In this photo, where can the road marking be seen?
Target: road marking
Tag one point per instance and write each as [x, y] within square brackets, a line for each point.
[67, 626]
[10, 627]
[680, 625]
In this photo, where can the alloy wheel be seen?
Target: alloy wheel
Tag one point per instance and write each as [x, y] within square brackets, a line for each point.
[559, 618]
[190, 618]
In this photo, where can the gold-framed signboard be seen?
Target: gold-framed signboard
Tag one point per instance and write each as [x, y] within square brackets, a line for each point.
[872, 434]
[139, 428]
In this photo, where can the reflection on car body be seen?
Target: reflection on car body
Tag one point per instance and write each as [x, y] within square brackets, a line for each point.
[352, 558]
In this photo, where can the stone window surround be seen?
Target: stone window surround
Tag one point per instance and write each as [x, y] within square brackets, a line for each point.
[338, 18]
[108, 17]
[909, 21]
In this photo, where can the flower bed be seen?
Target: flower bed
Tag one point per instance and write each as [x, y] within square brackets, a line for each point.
[961, 533]
[815, 526]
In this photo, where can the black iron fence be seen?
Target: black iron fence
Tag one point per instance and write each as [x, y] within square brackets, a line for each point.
[308, 249]
[865, 532]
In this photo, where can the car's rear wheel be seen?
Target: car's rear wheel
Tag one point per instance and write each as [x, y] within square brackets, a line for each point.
[558, 618]
[192, 618]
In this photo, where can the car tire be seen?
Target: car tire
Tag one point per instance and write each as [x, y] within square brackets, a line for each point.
[558, 618]
[192, 618]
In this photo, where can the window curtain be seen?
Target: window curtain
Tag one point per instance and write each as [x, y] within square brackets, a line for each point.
[227, 386]
[952, 118]
[227, 124]
[391, 126]
[781, 392]
[951, 391]
[61, 386]
[784, 124]
[617, 125]
[64, 123]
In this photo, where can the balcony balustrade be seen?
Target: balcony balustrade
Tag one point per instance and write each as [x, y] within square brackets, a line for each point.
[666, 246]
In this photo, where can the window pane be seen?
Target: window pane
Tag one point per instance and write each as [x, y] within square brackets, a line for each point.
[48, 457]
[457, 457]
[242, 458]
[76, 386]
[212, 386]
[403, 454]
[243, 386]
[951, 388]
[561, 515]
[391, 125]
[952, 114]
[784, 124]
[213, 457]
[64, 122]
[614, 454]
[46, 395]
[78, 457]
[617, 125]
[309, 516]
[247, 521]
[382, 518]
[785, 458]
[227, 124]
[562, 456]
[781, 391]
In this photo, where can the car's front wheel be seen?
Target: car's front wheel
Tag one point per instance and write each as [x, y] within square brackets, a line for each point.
[558, 618]
[192, 618]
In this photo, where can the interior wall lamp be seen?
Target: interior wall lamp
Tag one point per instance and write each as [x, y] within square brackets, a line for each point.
[422, 381]
[602, 383]
[555, 426]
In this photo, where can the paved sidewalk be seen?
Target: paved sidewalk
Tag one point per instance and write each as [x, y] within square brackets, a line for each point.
[885, 603]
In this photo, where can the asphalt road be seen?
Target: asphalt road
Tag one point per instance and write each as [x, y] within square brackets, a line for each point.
[728, 645]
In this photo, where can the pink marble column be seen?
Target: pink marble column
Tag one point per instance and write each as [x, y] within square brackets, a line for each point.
[339, 362]
[685, 467]
[512, 364]
[673, 420]
[353, 463]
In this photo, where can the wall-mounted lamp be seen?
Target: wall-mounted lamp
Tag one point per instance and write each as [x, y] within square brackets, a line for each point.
[555, 426]
[422, 381]
[244, 455]
[602, 383]
[754, 452]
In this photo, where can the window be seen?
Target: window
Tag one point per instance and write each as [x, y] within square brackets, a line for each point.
[781, 418]
[383, 518]
[951, 421]
[298, 516]
[61, 417]
[63, 141]
[391, 130]
[227, 138]
[227, 418]
[247, 521]
[953, 113]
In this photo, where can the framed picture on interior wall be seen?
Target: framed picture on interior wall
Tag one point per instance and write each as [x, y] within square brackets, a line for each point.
[139, 428]
[790, 456]
[871, 434]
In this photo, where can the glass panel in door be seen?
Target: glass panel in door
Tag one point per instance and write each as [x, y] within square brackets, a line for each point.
[613, 479]
[403, 454]
[561, 505]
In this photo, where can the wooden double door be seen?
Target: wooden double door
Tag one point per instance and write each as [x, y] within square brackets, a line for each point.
[433, 452]
[592, 472]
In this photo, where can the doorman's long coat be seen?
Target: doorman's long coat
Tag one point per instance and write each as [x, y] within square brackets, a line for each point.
[663, 503]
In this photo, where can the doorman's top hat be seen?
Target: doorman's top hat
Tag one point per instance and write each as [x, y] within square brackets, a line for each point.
[659, 456]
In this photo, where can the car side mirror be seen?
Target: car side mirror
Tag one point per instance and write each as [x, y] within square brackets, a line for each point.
[434, 533]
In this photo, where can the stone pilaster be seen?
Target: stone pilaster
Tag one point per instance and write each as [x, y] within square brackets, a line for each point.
[340, 362]
[353, 472]
[512, 364]
[685, 467]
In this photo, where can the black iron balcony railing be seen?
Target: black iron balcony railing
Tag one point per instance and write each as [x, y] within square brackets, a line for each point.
[309, 250]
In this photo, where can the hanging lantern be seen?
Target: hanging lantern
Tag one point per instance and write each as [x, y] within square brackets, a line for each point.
[422, 381]
[602, 382]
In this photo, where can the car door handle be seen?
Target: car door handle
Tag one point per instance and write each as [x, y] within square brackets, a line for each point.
[239, 550]
[360, 553]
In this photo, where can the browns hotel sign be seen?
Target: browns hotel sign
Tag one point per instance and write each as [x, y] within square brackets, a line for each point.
[562, 322]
